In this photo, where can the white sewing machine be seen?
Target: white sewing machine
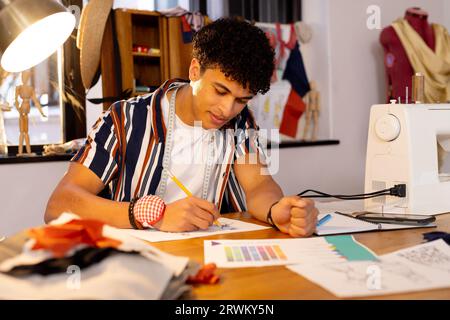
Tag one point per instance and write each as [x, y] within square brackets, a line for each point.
[407, 144]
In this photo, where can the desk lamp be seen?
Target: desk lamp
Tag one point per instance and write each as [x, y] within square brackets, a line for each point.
[30, 31]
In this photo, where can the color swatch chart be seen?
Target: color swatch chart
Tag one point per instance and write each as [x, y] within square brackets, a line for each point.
[254, 253]
[272, 252]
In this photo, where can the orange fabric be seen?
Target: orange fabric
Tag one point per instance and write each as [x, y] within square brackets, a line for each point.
[61, 238]
[292, 112]
[205, 275]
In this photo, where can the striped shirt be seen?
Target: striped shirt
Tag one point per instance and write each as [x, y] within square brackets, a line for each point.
[125, 149]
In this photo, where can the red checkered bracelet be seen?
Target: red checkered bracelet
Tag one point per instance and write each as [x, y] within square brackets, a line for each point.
[149, 210]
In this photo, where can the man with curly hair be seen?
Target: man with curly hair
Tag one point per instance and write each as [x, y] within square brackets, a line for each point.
[199, 132]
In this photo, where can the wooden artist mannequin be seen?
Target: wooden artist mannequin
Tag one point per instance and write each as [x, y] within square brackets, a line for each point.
[312, 111]
[399, 71]
[26, 93]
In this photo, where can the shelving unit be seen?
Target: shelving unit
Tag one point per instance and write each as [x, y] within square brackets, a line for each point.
[146, 55]
[146, 29]
[142, 69]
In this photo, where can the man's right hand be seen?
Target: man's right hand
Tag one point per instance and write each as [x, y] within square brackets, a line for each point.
[188, 214]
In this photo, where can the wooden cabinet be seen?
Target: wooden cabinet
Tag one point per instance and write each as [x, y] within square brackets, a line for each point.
[147, 68]
[163, 54]
[179, 54]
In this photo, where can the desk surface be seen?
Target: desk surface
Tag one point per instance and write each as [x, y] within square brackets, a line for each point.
[281, 283]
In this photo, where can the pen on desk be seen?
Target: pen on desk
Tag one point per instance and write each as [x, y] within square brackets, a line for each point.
[186, 191]
[323, 220]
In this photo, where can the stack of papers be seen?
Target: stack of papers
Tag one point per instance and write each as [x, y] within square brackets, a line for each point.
[423, 267]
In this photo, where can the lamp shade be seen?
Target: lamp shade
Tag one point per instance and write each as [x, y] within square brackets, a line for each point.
[31, 31]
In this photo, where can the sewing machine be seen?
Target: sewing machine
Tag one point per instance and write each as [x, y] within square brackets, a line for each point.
[407, 143]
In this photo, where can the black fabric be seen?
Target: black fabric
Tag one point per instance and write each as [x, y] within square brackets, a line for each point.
[436, 235]
[82, 258]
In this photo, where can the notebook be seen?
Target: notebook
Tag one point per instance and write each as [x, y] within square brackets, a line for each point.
[342, 223]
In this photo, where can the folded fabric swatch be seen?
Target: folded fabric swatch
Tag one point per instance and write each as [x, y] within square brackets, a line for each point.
[59, 239]
[82, 259]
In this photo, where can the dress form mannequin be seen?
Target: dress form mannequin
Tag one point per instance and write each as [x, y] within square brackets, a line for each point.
[399, 71]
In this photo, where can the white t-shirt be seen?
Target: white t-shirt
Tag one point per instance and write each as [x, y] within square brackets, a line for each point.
[189, 158]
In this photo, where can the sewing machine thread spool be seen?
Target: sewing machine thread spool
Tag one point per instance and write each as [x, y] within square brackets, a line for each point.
[418, 88]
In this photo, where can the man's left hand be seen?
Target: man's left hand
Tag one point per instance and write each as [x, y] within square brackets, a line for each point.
[295, 216]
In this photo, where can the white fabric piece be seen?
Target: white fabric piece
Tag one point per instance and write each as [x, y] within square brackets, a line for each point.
[120, 276]
[173, 12]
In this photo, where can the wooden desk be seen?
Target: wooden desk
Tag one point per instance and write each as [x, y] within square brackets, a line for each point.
[281, 283]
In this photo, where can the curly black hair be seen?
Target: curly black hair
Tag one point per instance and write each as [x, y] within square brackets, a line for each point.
[240, 50]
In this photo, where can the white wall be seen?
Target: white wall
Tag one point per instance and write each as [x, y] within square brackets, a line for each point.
[447, 15]
[356, 81]
[24, 191]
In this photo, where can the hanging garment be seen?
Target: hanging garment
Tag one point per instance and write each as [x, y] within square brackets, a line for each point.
[435, 66]
[294, 109]
[269, 108]
[289, 66]
[191, 22]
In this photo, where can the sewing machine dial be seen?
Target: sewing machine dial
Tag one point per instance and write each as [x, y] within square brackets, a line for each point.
[387, 128]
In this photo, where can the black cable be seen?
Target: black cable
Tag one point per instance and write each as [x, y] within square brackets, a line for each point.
[354, 195]
[324, 195]
[344, 198]
[398, 190]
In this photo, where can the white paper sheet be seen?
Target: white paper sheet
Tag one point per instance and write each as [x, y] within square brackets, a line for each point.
[228, 226]
[270, 252]
[423, 267]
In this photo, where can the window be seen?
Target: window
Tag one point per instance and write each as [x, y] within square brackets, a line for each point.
[46, 83]
[58, 87]
[283, 11]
